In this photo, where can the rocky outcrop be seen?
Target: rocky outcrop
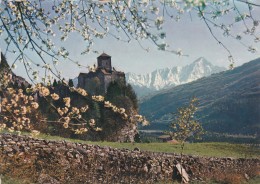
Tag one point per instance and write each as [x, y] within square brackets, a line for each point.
[66, 162]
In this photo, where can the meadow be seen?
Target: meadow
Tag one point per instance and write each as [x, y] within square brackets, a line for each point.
[209, 149]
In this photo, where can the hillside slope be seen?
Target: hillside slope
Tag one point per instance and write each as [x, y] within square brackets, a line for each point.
[229, 101]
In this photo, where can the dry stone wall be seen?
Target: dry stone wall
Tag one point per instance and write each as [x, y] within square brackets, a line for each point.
[65, 162]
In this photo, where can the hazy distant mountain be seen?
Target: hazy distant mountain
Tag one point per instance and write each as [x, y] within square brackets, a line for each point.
[166, 78]
[229, 101]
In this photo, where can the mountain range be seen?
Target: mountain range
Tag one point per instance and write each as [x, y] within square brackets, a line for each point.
[229, 101]
[170, 77]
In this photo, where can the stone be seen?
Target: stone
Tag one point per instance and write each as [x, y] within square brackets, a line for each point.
[183, 173]
[12, 142]
[8, 149]
[70, 155]
[247, 177]
[45, 178]
[136, 149]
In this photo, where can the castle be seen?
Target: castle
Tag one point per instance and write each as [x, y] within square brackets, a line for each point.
[97, 81]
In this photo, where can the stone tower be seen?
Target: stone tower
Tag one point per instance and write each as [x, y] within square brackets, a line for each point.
[96, 82]
[104, 62]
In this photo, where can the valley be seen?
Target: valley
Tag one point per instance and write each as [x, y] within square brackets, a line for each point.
[229, 102]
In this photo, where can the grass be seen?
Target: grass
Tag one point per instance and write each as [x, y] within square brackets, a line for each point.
[8, 180]
[210, 149]
[255, 180]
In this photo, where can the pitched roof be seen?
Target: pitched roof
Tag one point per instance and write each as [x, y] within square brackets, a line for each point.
[104, 55]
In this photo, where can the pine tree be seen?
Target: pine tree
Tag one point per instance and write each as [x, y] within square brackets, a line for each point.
[114, 89]
[71, 83]
[132, 95]
[54, 83]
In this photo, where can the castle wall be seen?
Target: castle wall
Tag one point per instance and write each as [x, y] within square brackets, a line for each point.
[98, 82]
[114, 76]
[107, 80]
[105, 64]
[92, 82]
[80, 81]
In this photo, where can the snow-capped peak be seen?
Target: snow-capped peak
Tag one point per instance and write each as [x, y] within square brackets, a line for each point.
[164, 78]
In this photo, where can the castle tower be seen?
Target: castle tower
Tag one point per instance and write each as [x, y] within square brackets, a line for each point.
[96, 82]
[104, 62]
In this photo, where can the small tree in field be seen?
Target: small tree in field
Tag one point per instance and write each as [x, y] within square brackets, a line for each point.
[186, 125]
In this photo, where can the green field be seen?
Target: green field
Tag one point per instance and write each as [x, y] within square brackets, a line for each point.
[211, 149]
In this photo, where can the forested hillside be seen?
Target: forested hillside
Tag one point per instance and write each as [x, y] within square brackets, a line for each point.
[229, 101]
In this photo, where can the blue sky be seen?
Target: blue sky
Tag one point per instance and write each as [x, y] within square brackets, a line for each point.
[192, 36]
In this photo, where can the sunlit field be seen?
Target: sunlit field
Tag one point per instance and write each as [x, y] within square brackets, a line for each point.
[209, 149]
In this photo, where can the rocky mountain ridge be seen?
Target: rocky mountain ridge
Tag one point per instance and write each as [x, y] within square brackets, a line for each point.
[169, 77]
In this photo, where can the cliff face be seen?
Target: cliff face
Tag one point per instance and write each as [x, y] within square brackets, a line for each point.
[114, 126]
[116, 129]
[43, 161]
